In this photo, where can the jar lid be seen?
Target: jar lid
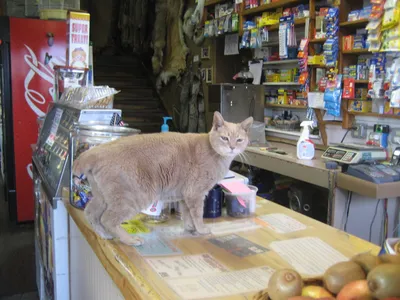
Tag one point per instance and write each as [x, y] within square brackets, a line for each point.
[106, 129]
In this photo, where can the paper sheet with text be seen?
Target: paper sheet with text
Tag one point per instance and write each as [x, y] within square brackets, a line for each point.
[188, 265]
[221, 284]
[282, 223]
[309, 255]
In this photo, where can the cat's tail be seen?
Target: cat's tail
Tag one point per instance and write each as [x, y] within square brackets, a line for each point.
[84, 163]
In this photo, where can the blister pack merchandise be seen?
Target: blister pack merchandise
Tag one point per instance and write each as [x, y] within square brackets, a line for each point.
[88, 97]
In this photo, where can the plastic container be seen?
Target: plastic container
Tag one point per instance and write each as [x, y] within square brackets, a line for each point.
[241, 205]
[57, 9]
[213, 203]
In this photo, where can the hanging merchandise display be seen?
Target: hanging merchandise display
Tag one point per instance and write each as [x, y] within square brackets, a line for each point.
[287, 38]
[395, 84]
[331, 46]
[333, 96]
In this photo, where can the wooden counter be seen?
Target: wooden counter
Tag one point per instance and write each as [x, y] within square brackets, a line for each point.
[311, 171]
[367, 188]
[136, 279]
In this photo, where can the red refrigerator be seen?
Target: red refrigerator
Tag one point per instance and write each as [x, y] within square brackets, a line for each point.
[29, 50]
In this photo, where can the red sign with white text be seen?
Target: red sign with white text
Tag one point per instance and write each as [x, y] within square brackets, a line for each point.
[32, 83]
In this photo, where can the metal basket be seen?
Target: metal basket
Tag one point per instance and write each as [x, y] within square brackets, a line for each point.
[287, 125]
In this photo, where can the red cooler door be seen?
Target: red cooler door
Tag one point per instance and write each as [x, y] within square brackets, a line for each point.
[33, 56]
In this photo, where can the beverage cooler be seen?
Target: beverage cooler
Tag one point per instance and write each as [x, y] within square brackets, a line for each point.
[29, 50]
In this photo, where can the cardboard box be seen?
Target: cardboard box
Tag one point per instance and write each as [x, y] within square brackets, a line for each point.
[78, 25]
[348, 42]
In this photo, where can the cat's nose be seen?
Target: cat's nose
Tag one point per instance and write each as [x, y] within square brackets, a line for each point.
[232, 148]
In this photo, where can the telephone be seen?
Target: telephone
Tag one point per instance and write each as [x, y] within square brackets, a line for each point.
[395, 157]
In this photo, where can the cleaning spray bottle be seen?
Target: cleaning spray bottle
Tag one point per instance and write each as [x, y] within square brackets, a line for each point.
[305, 147]
[165, 127]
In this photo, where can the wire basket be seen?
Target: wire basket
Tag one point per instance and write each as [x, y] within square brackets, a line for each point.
[287, 125]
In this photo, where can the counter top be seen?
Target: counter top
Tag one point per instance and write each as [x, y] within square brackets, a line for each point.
[368, 189]
[209, 259]
[311, 171]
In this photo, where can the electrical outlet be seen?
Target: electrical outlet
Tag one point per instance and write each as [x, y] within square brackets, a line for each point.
[360, 132]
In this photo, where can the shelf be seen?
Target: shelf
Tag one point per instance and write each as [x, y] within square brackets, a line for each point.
[362, 81]
[285, 106]
[269, 6]
[317, 41]
[356, 51]
[337, 123]
[318, 66]
[355, 24]
[213, 2]
[279, 62]
[292, 133]
[356, 113]
[280, 83]
[300, 21]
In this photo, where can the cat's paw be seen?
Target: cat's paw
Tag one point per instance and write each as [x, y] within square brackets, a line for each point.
[102, 233]
[203, 230]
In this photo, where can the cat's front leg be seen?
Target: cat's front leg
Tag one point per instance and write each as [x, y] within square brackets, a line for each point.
[196, 209]
[187, 218]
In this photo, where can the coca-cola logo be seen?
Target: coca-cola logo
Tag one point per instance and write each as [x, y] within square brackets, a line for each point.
[34, 98]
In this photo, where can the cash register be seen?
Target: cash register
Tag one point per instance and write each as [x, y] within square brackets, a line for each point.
[362, 161]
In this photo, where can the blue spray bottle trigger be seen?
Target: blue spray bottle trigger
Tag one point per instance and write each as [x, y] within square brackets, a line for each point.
[165, 127]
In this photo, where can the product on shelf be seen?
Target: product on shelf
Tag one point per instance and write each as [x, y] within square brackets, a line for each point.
[88, 97]
[359, 106]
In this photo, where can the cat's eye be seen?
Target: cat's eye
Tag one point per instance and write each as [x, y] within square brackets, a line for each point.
[224, 138]
[239, 140]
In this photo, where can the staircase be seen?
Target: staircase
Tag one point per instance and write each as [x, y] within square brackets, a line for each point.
[141, 108]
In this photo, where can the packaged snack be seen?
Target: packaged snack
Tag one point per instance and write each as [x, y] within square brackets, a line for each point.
[348, 88]
[359, 106]
[353, 15]
[348, 42]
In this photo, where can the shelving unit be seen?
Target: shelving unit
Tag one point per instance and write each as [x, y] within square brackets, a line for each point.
[317, 41]
[376, 115]
[354, 24]
[213, 2]
[281, 62]
[288, 106]
[356, 51]
[270, 6]
[280, 83]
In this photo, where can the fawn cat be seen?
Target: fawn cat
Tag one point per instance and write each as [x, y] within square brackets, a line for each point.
[130, 173]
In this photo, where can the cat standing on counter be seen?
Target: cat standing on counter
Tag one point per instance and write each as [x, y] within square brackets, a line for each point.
[130, 173]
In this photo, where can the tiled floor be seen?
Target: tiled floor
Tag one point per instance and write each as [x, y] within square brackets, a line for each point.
[17, 258]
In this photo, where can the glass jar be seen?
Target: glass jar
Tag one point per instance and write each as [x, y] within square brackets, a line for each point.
[83, 138]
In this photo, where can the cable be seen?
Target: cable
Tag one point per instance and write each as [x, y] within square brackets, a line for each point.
[386, 219]
[348, 130]
[373, 220]
[345, 209]
[348, 211]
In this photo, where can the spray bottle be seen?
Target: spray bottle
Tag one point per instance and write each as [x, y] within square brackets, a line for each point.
[165, 127]
[305, 147]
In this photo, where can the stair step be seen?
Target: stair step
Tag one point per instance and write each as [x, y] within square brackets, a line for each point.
[123, 84]
[107, 59]
[137, 105]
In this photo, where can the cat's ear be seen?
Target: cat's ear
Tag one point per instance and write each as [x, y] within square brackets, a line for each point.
[218, 120]
[246, 124]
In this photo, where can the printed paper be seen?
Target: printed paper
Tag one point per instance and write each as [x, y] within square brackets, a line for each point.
[237, 245]
[156, 246]
[54, 127]
[227, 227]
[309, 255]
[189, 265]
[231, 44]
[222, 284]
[282, 223]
